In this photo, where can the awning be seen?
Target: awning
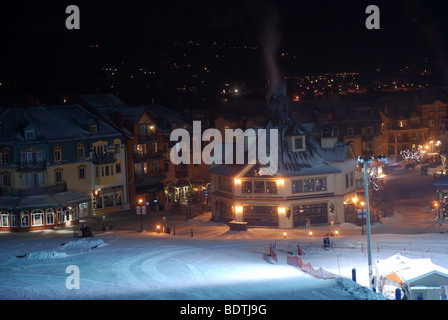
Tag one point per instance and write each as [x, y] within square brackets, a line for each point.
[149, 188]
[41, 201]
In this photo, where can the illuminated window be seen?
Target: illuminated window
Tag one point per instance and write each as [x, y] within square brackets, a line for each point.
[297, 186]
[24, 219]
[4, 219]
[50, 216]
[271, 187]
[308, 185]
[321, 184]
[37, 218]
[247, 187]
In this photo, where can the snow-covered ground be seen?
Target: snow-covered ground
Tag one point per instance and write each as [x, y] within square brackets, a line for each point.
[216, 263]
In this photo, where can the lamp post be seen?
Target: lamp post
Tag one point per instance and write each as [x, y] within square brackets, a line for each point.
[363, 217]
[141, 215]
[364, 161]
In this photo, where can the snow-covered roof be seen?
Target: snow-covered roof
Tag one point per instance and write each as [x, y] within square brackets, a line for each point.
[52, 123]
[102, 100]
[41, 201]
[312, 159]
[408, 270]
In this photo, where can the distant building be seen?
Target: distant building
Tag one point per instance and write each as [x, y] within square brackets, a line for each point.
[58, 164]
[144, 141]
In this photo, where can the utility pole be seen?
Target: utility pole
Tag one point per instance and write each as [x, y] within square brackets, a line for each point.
[365, 160]
[369, 245]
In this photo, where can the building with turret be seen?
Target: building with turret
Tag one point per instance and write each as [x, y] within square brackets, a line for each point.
[313, 184]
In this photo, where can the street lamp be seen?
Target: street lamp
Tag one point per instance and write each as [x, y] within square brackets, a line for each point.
[141, 215]
[364, 161]
[363, 216]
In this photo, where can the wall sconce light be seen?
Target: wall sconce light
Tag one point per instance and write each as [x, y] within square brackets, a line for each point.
[281, 210]
[237, 181]
[238, 209]
[280, 182]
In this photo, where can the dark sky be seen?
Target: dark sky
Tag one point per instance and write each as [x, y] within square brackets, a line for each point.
[323, 34]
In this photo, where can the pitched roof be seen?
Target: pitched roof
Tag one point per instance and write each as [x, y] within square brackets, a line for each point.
[102, 100]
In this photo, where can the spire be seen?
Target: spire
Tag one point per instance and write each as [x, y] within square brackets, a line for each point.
[280, 103]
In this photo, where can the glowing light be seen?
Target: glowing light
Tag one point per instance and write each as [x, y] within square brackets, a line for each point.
[280, 182]
[281, 210]
[238, 209]
[237, 181]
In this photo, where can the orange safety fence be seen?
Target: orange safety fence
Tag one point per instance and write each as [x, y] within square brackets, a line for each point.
[318, 273]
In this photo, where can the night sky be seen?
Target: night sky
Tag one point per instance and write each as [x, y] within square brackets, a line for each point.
[326, 36]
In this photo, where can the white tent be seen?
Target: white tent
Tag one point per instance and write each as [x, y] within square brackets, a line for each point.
[419, 278]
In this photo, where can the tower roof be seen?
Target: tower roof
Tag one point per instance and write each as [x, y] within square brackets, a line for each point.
[279, 96]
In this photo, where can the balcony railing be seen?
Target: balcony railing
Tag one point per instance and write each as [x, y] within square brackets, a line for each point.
[32, 166]
[105, 158]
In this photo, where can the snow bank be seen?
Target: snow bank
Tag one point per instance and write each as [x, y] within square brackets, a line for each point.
[73, 247]
[83, 244]
[359, 291]
[46, 255]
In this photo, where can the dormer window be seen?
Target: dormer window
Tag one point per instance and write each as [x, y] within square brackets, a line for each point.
[29, 134]
[298, 143]
[93, 128]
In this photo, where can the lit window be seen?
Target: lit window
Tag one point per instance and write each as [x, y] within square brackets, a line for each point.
[308, 185]
[297, 186]
[321, 184]
[37, 218]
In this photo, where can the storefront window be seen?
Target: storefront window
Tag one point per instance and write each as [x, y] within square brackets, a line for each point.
[50, 216]
[37, 218]
[99, 201]
[118, 198]
[61, 215]
[25, 219]
[4, 219]
[108, 200]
